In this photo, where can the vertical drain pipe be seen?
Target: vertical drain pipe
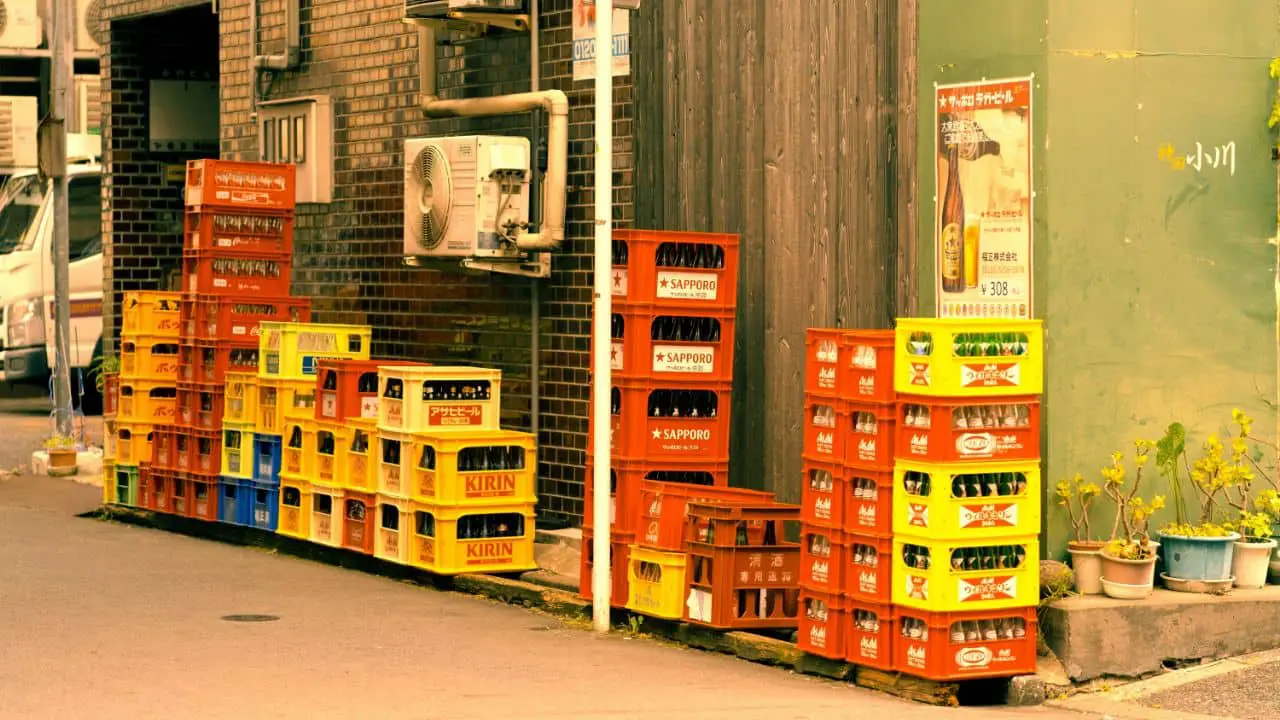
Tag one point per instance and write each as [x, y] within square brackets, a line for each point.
[602, 377]
[535, 291]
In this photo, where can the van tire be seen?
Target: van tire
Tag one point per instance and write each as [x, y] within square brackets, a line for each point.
[91, 404]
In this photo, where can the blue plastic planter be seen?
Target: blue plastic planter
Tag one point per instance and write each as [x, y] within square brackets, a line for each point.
[1198, 558]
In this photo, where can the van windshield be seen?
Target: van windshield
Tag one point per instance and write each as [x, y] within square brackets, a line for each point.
[19, 202]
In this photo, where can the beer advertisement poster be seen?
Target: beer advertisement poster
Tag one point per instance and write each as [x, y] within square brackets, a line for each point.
[982, 199]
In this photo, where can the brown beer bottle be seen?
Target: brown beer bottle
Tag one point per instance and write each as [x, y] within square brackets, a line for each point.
[951, 238]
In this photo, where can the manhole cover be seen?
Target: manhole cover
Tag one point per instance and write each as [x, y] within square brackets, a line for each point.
[250, 618]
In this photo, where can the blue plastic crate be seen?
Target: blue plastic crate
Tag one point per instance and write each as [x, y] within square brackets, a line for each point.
[232, 506]
[263, 501]
[266, 459]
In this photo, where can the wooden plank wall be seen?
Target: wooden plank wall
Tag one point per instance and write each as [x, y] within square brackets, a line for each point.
[779, 120]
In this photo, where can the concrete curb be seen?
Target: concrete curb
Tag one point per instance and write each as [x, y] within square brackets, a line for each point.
[566, 604]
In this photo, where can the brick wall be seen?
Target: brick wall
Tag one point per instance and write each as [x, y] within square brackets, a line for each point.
[347, 255]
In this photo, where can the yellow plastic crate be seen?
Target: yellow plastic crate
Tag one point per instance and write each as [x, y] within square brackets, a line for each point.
[149, 357]
[968, 358]
[966, 501]
[133, 443]
[449, 540]
[295, 510]
[419, 398]
[108, 482]
[486, 467]
[394, 456]
[148, 401]
[289, 350]
[333, 443]
[358, 466]
[240, 400]
[966, 575]
[280, 401]
[298, 449]
[237, 450]
[656, 582]
[393, 529]
[326, 515]
[151, 313]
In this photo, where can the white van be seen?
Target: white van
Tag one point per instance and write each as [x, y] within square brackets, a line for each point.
[27, 353]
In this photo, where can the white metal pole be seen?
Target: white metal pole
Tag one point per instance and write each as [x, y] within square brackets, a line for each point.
[602, 379]
[62, 37]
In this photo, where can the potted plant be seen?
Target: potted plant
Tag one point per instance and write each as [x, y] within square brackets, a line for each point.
[1251, 557]
[1129, 558]
[1202, 551]
[1086, 553]
[62, 454]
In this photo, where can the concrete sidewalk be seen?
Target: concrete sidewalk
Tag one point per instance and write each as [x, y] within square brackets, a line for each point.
[117, 621]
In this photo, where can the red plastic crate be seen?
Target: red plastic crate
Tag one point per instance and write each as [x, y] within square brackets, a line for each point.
[200, 406]
[850, 364]
[198, 451]
[239, 232]
[656, 266]
[823, 624]
[951, 430]
[868, 573]
[826, 429]
[872, 640]
[209, 361]
[962, 646]
[236, 277]
[695, 356]
[742, 572]
[358, 513]
[164, 447]
[349, 388]
[110, 394]
[146, 492]
[823, 559]
[620, 556]
[236, 184]
[664, 507]
[211, 317]
[162, 490]
[667, 438]
[202, 496]
[849, 498]
[626, 484]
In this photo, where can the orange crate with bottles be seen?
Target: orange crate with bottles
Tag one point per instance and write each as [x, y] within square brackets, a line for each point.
[199, 451]
[857, 499]
[849, 364]
[349, 388]
[823, 625]
[743, 573]
[872, 639]
[211, 361]
[239, 232]
[853, 433]
[675, 269]
[664, 508]
[949, 646]
[669, 421]
[619, 558]
[202, 503]
[671, 344]
[200, 406]
[233, 184]
[626, 483]
[359, 515]
[868, 573]
[958, 429]
[231, 320]
[823, 559]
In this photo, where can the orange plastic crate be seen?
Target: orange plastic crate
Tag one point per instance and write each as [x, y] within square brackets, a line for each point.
[239, 232]
[212, 317]
[849, 364]
[237, 184]
[202, 500]
[743, 574]
[853, 499]
[823, 624]
[664, 507]
[209, 361]
[690, 421]
[960, 646]
[675, 269]
[872, 640]
[620, 557]
[349, 388]
[110, 394]
[868, 573]
[858, 434]
[823, 559]
[161, 488]
[953, 429]
[235, 277]
[200, 405]
[359, 514]
[671, 343]
[626, 481]
[198, 451]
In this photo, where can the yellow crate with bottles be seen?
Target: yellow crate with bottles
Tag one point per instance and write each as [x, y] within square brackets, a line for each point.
[962, 357]
[449, 540]
[483, 467]
[966, 500]
[290, 350]
[964, 575]
[656, 582]
[418, 398]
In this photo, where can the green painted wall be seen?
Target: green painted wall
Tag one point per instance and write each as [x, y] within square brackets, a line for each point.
[1156, 284]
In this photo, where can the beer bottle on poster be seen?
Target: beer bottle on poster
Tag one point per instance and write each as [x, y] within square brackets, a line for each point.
[972, 232]
[951, 238]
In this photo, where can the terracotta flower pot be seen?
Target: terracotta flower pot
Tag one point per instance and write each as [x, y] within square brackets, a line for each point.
[62, 458]
[1086, 563]
[1130, 572]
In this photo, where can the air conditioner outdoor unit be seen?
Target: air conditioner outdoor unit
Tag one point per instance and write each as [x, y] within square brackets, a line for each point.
[465, 197]
[18, 125]
[88, 12]
[443, 8]
[20, 24]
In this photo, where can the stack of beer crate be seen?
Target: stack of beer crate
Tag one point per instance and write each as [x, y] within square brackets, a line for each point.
[144, 394]
[237, 254]
[967, 495]
[455, 492]
[671, 354]
[846, 496]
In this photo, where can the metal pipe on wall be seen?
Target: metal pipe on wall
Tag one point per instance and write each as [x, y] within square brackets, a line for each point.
[535, 291]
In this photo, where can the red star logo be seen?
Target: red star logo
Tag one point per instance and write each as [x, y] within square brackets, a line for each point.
[659, 357]
[663, 282]
[613, 353]
[617, 279]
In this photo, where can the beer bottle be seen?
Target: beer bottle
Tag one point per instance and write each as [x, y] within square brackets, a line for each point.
[951, 237]
[957, 487]
[971, 631]
[1005, 485]
[972, 234]
[957, 560]
[1019, 628]
[656, 399]
[972, 486]
[990, 486]
[957, 632]
[909, 555]
[1019, 483]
